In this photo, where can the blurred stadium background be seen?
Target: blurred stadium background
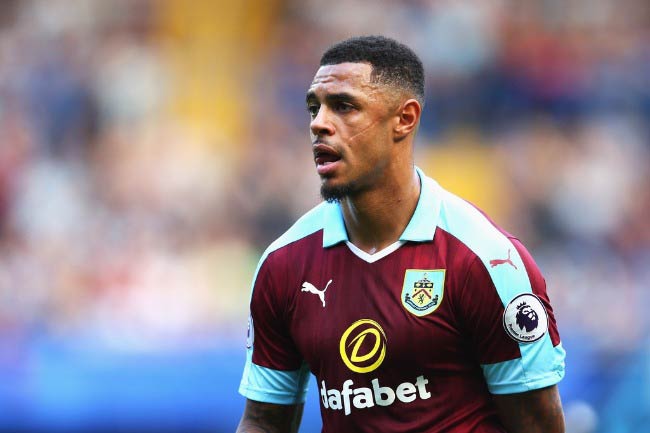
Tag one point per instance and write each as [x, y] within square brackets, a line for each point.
[151, 149]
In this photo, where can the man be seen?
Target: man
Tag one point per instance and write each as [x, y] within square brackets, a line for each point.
[411, 308]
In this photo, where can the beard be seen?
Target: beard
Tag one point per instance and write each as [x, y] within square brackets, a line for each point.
[334, 194]
[351, 189]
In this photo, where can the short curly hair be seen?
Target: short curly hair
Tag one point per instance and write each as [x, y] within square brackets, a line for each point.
[393, 63]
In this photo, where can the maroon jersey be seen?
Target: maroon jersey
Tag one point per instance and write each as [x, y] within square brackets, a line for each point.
[412, 338]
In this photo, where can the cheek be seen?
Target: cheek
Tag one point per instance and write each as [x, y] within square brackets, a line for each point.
[358, 134]
[372, 140]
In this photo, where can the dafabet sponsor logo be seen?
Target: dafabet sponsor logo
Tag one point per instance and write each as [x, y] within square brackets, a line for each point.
[363, 348]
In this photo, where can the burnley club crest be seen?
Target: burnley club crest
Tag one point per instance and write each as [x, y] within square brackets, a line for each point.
[423, 290]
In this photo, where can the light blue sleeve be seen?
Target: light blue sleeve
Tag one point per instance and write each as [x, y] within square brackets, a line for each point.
[540, 365]
[273, 386]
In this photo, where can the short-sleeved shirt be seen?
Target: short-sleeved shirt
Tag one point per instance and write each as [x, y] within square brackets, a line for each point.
[412, 338]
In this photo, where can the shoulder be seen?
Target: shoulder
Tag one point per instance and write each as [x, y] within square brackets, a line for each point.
[276, 260]
[471, 226]
[308, 224]
[502, 258]
[305, 227]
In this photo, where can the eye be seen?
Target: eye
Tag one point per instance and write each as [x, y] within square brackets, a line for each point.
[343, 107]
[313, 110]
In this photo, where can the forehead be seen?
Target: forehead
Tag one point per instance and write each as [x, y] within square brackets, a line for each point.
[348, 77]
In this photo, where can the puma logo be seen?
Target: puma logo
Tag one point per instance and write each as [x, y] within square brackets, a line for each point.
[309, 287]
[497, 262]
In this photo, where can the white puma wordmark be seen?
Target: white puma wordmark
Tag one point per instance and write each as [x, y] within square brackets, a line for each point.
[309, 287]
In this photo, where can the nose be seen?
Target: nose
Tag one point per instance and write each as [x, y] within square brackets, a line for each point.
[321, 124]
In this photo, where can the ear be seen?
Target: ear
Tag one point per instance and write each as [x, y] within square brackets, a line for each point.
[407, 119]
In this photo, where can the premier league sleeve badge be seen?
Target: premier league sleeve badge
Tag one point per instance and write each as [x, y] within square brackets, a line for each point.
[525, 318]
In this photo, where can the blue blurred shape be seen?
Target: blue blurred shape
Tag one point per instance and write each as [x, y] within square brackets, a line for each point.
[58, 387]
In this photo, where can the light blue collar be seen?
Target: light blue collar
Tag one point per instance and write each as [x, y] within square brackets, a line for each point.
[421, 228]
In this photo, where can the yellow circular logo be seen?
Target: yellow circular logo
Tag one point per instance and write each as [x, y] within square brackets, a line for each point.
[363, 346]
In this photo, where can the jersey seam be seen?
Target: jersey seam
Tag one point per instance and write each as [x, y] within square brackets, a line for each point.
[268, 391]
[271, 252]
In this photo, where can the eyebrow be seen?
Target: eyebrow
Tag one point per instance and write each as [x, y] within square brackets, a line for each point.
[332, 97]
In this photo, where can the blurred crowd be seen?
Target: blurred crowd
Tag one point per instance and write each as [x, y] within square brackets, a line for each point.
[148, 155]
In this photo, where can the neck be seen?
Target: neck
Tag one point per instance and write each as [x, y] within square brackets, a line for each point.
[376, 218]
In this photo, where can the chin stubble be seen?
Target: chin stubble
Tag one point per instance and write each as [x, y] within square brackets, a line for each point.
[334, 194]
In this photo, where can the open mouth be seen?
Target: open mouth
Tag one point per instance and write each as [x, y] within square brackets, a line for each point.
[325, 158]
